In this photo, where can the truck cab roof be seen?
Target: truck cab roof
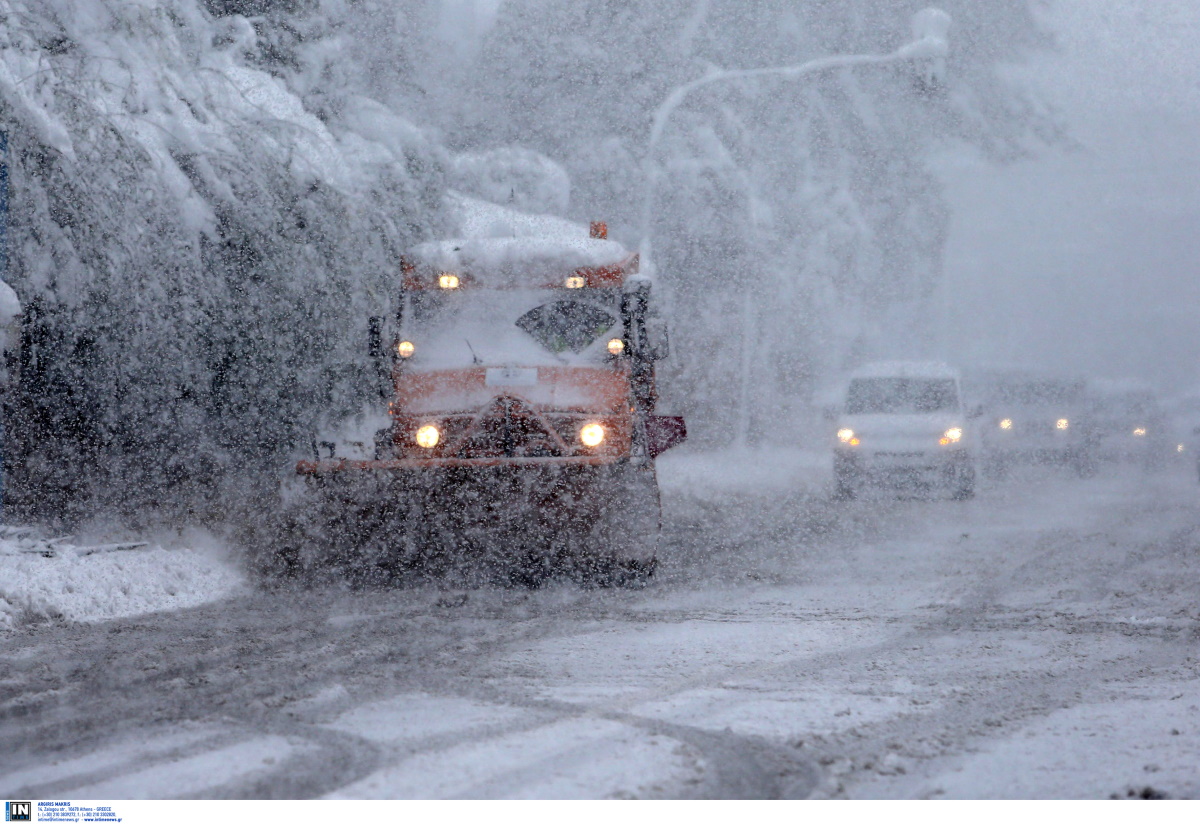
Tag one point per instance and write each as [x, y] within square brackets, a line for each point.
[515, 262]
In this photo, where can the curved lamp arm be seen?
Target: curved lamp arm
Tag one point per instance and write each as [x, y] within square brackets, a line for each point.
[930, 28]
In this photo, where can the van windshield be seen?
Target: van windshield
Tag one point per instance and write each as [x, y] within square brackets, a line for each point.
[883, 396]
[1036, 393]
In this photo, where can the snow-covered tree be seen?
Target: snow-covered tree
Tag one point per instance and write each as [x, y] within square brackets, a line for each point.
[201, 223]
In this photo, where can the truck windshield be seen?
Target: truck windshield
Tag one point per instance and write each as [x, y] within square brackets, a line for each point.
[509, 326]
[566, 324]
[882, 396]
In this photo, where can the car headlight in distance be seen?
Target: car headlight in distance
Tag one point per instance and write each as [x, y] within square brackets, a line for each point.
[428, 436]
[405, 348]
[847, 436]
[1139, 432]
[951, 435]
[616, 346]
[1006, 423]
[1180, 448]
[1062, 423]
[592, 434]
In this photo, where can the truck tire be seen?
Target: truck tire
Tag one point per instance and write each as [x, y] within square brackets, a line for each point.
[964, 489]
[620, 550]
[997, 466]
[845, 480]
[1084, 464]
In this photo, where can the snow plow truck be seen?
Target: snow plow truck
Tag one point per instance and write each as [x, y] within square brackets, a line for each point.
[520, 435]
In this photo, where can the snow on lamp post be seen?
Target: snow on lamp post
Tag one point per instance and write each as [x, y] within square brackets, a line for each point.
[931, 31]
[927, 51]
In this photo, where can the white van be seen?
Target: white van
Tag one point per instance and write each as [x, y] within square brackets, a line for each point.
[903, 425]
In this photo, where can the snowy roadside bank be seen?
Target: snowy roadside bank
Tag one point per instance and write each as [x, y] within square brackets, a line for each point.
[705, 474]
[58, 580]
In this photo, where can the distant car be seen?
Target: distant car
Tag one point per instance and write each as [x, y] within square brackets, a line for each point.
[1033, 418]
[902, 425]
[1184, 414]
[1132, 426]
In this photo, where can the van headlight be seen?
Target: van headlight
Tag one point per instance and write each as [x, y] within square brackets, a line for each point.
[952, 435]
[428, 436]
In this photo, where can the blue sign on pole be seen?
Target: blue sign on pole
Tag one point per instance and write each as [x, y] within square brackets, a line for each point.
[3, 205]
[3, 277]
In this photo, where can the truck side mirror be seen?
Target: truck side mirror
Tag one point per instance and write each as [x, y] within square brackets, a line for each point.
[658, 341]
[375, 337]
[638, 313]
[377, 354]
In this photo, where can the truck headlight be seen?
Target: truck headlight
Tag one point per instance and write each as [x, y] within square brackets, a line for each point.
[951, 435]
[1006, 423]
[592, 434]
[616, 346]
[1062, 423]
[1140, 432]
[428, 436]
[405, 348]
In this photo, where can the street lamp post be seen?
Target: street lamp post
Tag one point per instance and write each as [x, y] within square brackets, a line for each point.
[928, 49]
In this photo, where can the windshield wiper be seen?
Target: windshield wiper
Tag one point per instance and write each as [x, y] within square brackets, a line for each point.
[474, 357]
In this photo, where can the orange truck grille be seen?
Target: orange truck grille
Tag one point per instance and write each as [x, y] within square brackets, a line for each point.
[509, 428]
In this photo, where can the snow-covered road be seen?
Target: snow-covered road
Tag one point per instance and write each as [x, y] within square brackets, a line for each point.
[1040, 641]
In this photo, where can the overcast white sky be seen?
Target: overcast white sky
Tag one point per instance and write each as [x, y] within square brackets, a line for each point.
[1089, 260]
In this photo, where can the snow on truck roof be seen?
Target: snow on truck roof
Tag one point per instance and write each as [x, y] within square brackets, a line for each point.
[905, 369]
[505, 247]
[532, 257]
[471, 217]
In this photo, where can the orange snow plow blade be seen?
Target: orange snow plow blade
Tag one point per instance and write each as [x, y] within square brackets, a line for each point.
[336, 465]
